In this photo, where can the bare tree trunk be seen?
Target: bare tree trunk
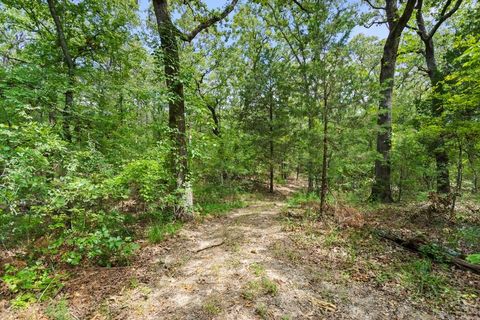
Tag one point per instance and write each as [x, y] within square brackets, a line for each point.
[436, 77]
[459, 167]
[176, 107]
[310, 156]
[323, 190]
[471, 161]
[458, 187]
[400, 183]
[67, 58]
[270, 115]
[381, 189]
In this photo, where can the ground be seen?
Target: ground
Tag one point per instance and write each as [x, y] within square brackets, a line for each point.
[253, 263]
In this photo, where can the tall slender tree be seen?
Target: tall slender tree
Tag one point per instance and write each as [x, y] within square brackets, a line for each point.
[176, 119]
[396, 21]
[436, 76]
[67, 57]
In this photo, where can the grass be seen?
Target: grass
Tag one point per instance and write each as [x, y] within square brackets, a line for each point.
[216, 200]
[256, 288]
[261, 310]
[158, 232]
[300, 198]
[220, 208]
[58, 310]
[257, 269]
[419, 278]
[212, 307]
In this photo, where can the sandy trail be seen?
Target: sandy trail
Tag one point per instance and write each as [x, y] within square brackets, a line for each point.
[228, 268]
[238, 266]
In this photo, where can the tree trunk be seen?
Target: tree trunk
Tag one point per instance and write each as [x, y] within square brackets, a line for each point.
[436, 78]
[442, 255]
[400, 183]
[460, 167]
[458, 187]
[471, 161]
[323, 190]
[381, 189]
[270, 115]
[310, 155]
[176, 107]
[441, 156]
[67, 58]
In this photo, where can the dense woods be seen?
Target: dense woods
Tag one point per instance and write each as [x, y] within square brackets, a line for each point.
[120, 121]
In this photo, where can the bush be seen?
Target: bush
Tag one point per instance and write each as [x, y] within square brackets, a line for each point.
[31, 284]
[100, 246]
[145, 180]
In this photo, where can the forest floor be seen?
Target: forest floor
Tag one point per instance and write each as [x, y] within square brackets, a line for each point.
[258, 262]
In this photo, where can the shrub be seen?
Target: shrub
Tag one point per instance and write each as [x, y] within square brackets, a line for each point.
[31, 284]
[145, 180]
[100, 246]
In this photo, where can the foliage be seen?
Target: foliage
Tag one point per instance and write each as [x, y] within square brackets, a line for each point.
[31, 284]
[473, 258]
[422, 281]
[99, 246]
[158, 232]
[89, 151]
[58, 310]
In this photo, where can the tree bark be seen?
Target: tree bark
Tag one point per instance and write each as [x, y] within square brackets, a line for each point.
[176, 107]
[381, 189]
[436, 77]
[67, 58]
[458, 187]
[270, 115]
[310, 155]
[323, 190]
[471, 160]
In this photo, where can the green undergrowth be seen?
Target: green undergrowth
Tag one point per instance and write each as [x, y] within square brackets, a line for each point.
[158, 232]
[301, 198]
[32, 283]
[219, 200]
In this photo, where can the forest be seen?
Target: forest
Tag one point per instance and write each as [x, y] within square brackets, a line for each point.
[239, 159]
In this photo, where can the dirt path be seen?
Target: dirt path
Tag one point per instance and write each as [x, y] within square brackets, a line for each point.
[228, 268]
[238, 266]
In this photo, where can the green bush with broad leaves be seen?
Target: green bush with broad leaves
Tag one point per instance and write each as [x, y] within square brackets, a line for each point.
[32, 283]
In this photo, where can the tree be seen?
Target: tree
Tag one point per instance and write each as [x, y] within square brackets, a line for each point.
[381, 189]
[436, 77]
[67, 57]
[176, 119]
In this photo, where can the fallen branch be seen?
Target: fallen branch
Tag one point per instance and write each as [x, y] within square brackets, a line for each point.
[419, 245]
[210, 246]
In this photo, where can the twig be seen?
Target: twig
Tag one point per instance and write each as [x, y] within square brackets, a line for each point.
[210, 246]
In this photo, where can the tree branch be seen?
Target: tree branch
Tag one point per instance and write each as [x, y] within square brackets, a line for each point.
[403, 20]
[61, 36]
[444, 16]
[374, 7]
[301, 6]
[208, 22]
[368, 26]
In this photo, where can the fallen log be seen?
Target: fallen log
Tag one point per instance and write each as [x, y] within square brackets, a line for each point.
[419, 245]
